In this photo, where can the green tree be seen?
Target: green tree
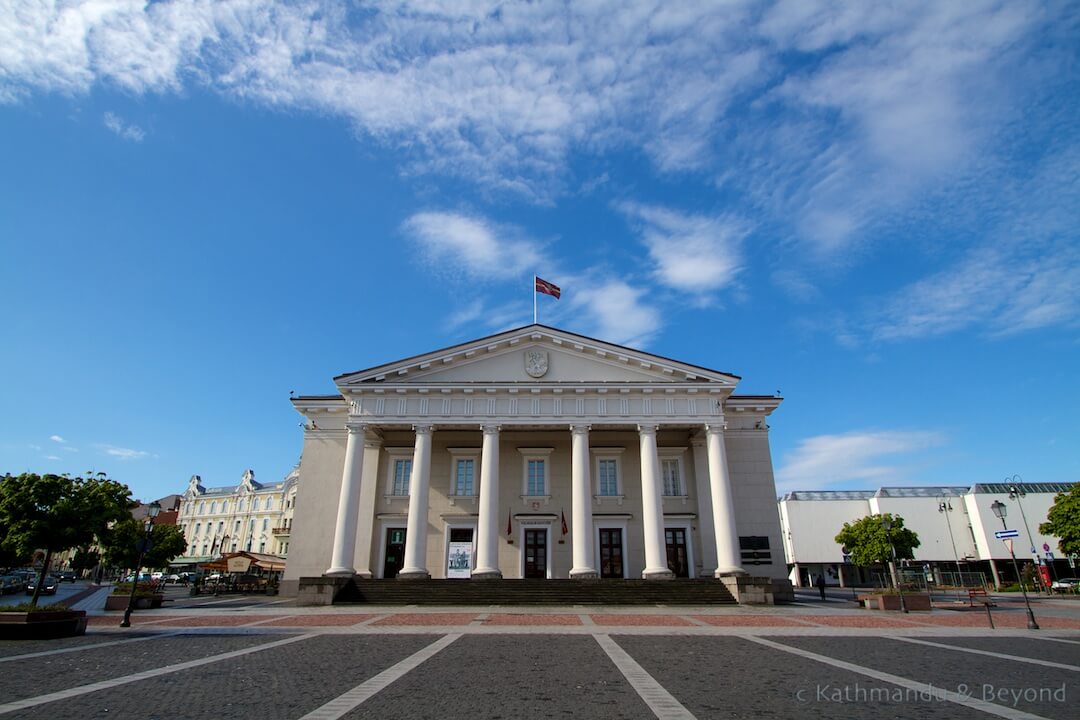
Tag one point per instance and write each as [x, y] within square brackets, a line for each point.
[121, 545]
[868, 542]
[56, 512]
[85, 559]
[1063, 521]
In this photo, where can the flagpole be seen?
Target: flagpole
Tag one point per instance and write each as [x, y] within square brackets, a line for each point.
[534, 299]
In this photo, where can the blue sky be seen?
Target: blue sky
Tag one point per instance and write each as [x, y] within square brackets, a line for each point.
[870, 208]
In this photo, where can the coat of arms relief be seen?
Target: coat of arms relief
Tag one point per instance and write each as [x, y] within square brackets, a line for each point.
[536, 362]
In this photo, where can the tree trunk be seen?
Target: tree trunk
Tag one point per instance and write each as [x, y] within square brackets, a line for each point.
[41, 577]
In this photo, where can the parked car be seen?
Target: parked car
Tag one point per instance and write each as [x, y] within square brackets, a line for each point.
[157, 575]
[47, 588]
[11, 584]
[66, 575]
[1066, 585]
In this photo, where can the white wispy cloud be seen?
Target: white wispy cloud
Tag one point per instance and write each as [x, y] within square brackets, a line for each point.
[692, 253]
[52, 457]
[868, 457]
[615, 311]
[123, 453]
[57, 439]
[474, 245]
[124, 130]
[829, 115]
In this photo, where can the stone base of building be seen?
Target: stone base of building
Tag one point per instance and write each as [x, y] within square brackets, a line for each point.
[486, 575]
[782, 590]
[408, 575]
[664, 574]
[317, 590]
[749, 590]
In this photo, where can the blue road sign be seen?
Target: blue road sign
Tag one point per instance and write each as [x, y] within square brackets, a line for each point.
[1002, 534]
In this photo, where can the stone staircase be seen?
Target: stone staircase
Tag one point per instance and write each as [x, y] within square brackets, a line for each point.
[534, 592]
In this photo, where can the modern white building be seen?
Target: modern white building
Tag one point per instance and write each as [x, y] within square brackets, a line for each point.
[537, 453]
[250, 516]
[956, 526]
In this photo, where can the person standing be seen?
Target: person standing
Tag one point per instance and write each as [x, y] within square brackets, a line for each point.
[820, 585]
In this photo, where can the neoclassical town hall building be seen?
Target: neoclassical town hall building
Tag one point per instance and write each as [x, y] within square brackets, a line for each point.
[536, 453]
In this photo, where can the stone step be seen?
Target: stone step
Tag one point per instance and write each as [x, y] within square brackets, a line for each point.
[534, 592]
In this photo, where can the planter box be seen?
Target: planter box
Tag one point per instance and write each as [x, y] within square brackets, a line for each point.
[42, 625]
[120, 602]
[913, 602]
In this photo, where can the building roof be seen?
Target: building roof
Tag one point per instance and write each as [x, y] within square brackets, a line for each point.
[524, 329]
[932, 491]
[829, 495]
[1005, 488]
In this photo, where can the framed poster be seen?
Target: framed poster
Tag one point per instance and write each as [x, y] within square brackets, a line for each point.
[459, 558]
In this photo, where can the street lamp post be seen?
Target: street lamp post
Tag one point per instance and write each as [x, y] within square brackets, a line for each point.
[886, 523]
[144, 547]
[1016, 491]
[1001, 511]
[945, 507]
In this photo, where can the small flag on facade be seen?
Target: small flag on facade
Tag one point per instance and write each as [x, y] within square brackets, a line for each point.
[547, 288]
[509, 524]
[564, 528]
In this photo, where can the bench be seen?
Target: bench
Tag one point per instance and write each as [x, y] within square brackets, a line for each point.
[981, 594]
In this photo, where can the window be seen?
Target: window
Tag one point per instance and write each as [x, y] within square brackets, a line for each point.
[402, 471]
[535, 484]
[197, 526]
[463, 477]
[608, 476]
[221, 527]
[265, 523]
[251, 526]
[535, 472]
[672, 479]
[224, 506]
[237, 530]
[202, 508]
[213, 508]
[240, 506]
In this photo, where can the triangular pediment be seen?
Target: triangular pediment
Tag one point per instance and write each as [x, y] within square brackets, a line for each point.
[535, 354]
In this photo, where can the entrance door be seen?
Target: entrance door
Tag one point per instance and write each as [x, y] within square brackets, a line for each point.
[535, 553]
[677, 560]
[395, 552]
[611, 553]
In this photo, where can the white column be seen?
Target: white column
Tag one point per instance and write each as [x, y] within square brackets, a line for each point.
[487, 544]
[341, 561]
[727, 535]
[652, 507]
[366, 519]
[416, 534]
[706, 531]
[581, 512]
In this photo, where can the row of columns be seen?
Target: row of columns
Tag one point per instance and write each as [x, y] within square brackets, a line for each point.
[361, 459]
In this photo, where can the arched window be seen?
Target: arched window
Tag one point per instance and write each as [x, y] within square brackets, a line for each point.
[213, 508]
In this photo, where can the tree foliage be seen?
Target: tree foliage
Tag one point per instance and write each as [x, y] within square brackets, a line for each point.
[868, 542]
[85, 559]
[121, 545]
[56, 512]
[1063, 521]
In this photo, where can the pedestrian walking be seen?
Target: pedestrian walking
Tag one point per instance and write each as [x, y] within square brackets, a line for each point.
[820, 584]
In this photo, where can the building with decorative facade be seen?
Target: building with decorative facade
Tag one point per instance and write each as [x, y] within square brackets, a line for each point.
[251, 516]
[537, 453]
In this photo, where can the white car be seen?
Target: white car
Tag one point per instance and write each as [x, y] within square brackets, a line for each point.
[1066, 585]
[157, 575]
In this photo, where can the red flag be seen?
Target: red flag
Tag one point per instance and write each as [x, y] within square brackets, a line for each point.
[564, 529]
[547, 288]
[509, 524]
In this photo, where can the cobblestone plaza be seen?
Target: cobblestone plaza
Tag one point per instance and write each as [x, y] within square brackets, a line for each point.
[236, 657]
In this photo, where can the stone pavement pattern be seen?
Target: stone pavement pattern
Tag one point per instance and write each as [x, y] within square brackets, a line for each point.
[269, 660]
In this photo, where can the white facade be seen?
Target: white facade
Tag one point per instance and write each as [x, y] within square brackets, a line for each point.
[249, 516]
[954, 524]
[484, 452]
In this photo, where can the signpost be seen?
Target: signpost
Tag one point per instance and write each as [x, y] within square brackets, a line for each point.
[1002, 534]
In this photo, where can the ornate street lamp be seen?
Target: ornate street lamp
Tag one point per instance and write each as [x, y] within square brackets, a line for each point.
[886, 523]
[143, 547]
[1001, 511]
